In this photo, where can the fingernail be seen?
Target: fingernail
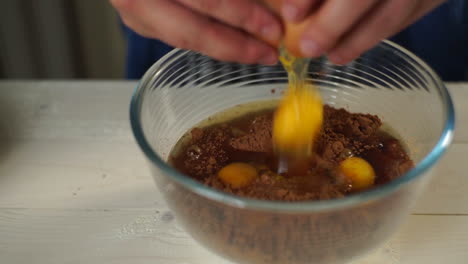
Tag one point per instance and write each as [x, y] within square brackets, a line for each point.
[289, 12]
[310, 48]
[270, 59]
[336, 59]
[271, 32]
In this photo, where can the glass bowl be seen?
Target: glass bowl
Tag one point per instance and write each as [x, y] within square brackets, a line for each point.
[185, 87]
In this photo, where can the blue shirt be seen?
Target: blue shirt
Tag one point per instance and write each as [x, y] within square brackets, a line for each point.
[440, 38]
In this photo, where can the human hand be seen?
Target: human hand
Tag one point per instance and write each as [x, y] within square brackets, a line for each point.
[344, 29]
[223, 29]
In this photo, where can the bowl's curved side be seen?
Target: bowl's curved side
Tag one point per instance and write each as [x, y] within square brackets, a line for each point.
[164, 76]
[173, 96]
[253, 236]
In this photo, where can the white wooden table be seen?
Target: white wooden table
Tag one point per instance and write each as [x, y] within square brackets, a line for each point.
[75, 188]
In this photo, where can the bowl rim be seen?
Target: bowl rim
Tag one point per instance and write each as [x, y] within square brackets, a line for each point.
[302, 206]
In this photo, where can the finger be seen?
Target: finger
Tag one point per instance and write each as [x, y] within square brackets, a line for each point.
[296, 10]
[330, 22]
[126, 13]
[387, 19]
[137, 27]
[244, 14]
[183, 28]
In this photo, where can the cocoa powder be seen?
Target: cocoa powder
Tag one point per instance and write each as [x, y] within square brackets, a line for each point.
[249, 140]
[258, 138]
[207, 153]
[268, 236]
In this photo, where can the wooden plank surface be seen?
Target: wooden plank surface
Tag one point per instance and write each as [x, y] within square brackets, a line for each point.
[153, 236]
[74, 187]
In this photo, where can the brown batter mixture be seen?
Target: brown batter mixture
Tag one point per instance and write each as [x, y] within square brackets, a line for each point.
[248, 139]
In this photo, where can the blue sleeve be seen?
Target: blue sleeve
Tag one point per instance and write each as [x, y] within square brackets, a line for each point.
[440, 38]
[142, 53]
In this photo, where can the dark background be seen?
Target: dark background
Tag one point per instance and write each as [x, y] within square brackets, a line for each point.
[68, 39]
[60, 39]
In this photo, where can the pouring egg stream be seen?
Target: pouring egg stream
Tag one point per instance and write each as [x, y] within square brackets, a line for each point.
[299, 116]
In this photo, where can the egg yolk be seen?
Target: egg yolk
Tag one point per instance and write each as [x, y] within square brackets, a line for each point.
[297, 121]
[359, 172]
[237, 174]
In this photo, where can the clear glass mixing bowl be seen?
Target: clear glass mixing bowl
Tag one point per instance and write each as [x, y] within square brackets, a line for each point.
[185, 87]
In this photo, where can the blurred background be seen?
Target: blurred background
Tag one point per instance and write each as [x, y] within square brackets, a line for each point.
[63, 39]
[60, 39]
